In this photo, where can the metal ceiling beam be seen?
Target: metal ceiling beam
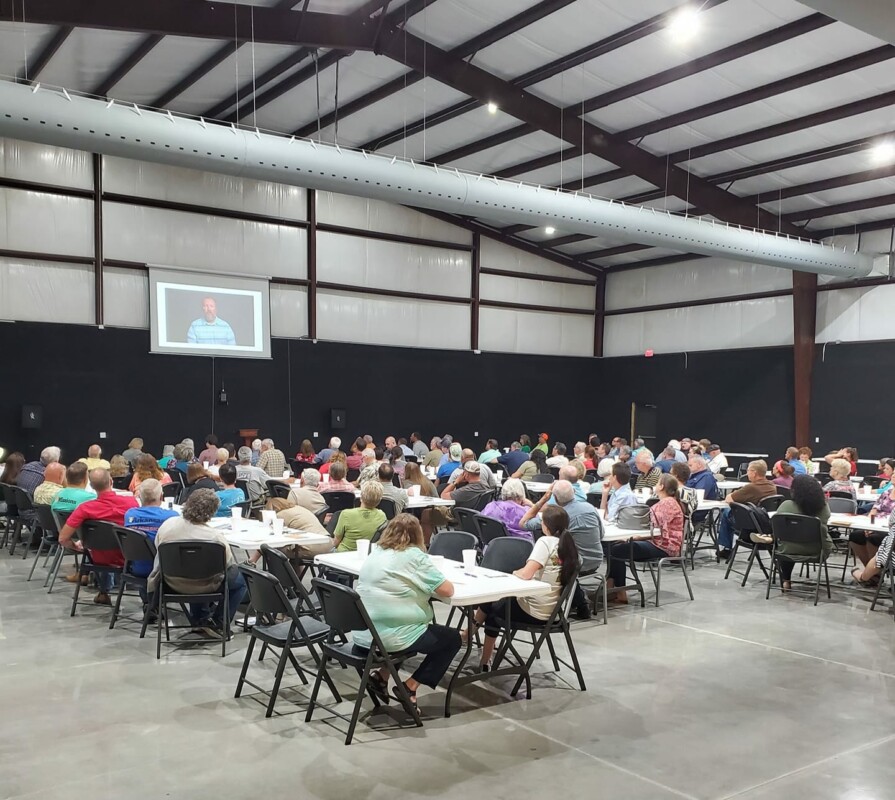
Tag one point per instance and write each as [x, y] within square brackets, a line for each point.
[198, 18]
[863, 227]
[197, 73]
[50, 49]
[127, 64]
[483, 40]
[840, 208]
[555, 67]
[723, 56]
[608, 252]
[403, 47]
[823, 185]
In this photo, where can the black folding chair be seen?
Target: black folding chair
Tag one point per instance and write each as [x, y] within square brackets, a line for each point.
[339, 501]
[745, 524]
[840, 494]
[679, 560]
[771, 503]
[135, 546]
[278, 489]
[49, 535]
[61, 552]
[886, 576]
[506, 554]
[451, 544]
[11, 514]
[798, 530]
[191, 560]
[122, 481]
[23, 528]
[177, 477]
[387, 506]
[842, 505]
[95, 535]
[278, 564]
[172, 489]
[344, 612]
[784, 492]
[543, 477]
[245, 508]
[489, 529]
[269, 600]
[466, 520]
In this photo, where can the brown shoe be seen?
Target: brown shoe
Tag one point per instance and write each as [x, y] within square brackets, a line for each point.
[85, 579]
[102, 599]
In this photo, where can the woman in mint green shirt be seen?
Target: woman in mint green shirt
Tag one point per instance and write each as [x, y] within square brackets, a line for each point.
[395, 584]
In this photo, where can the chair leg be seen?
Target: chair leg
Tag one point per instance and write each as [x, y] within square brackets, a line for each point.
[298, 669]
[245, 666]
[281, 666]
[161, 618]
[361, 691]
[40, 548]
[816, 586]
[571, 648]
[730, 560]
[827, 574]
[659, 578]
[767, 594]
[74, 601]
[322, 672]
[687, 580]
[552, 653]
[117, 607]
[54, 569]
[317, 660]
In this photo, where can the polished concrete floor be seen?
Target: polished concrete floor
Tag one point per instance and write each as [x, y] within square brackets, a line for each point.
[728, 696]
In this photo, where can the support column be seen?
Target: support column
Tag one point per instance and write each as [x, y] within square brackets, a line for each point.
[474, 291]
[804, 318]
[98, 238]
[312, 264]
[599, 316]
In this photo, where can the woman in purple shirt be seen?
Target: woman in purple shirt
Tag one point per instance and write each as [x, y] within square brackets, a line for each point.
[510, 508]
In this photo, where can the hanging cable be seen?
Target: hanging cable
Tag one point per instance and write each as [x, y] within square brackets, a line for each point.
[254, 105]
[317, 81]
[425, 50]
[236, 56]
[336, 120]
[24, 38]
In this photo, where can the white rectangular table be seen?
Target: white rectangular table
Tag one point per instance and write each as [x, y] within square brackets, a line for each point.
[420, 501]
[253, 533]
[472, 587]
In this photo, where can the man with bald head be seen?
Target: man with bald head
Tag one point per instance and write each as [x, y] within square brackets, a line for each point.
[95, 458]
[108, 507]
[486, 476]
[54, 475]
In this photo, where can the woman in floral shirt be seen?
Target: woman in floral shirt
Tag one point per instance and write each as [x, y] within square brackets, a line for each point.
[864, 544]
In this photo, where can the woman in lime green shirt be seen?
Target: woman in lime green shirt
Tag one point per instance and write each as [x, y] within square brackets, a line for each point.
[360, 523]
[395, 584]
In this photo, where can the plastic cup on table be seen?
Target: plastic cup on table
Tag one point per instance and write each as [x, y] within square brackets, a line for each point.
[236, 518]
[278, 526]
[413, 490]
[363, 547]
[700, 495]
[325, 477]
[469, 559]
[438, 561]
[286, 473]
[267, 517]
[169, 503]
[205, 464]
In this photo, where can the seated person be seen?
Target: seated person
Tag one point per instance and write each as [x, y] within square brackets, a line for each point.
[396, 583]
[701, 476]
[307, 492]
[46, 492]
[455, 460]
[513, 460]
[491, 452]
[617, 492]
[254, 477]
[398, 460]
[76, 490]
[783, 473]
[94, 459]
[486, 476]
[147, 467]
[717, 460]
[849, 454]
[811, 467]
[792, 458]
[229, 496]
[389, 490]
[510, 508]
[647, 474]
[107, 507]
[337, 482]
[864, 544]
[558, 459]
[167, 461]
[554, 560]
[872, 569]
[147, 517]
[199, 508]
[758, 487]
[687, 495]
[468, 491]
[306, 454]
[354, 459]
[360, 523]
[668, 516]
[839, 472]
[183, 457]
[536, 465]
[807, 500]
[337, 455]
[590, 458]
[197, 478]
[371, 459]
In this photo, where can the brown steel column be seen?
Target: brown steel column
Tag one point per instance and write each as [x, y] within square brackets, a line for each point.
[474, 291]
[98, 238]
[599, 315]
[804, 318]
[312, 264]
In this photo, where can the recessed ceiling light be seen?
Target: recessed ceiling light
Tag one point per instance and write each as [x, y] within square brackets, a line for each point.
[492, 108]
[550, 230]
[684, 25]
[883, 152]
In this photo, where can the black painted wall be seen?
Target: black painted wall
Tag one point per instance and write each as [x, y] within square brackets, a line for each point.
[91, 380]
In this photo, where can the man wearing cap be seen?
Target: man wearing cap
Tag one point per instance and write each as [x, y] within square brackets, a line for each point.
[454, 459]
[486, 475]
[717, 459]
[469, 491]
[543, 438]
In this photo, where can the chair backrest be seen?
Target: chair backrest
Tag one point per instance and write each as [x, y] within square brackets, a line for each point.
[135, 545]
[411, 459]
[47, 521]
[245, 506]
[344, 611]
[490, 528]
[742, 469]
[377, 534]
[9, 496]
[172, 489]
[387, 506]
[478, 502]
[633, 518]
[784, 492]
[592, 476]
[843, 505]
[266, 594]
[451, 544]
[771, 503]
[466, 519]
[23, 500]
[874, 481]
[396, 480]
[278, 489]
[594, 498]
[244, 485]
[542, 477]
[352, 475]
[840, 493]
[507, 554]
[122, 481]
[823, 477]
[797, 529]
[742, 519]
[333, 521]
[177, 477]
[98, 535]
[554, 471]
[192, 559]
[339, 501]
[651, 501]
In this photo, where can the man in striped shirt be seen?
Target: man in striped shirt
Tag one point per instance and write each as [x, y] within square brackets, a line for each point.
[209, 328]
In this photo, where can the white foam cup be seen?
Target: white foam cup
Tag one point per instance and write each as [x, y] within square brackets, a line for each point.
[469, 558]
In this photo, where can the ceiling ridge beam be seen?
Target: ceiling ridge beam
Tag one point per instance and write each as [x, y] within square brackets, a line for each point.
[485, 39]
[127, 64]
[558, 65]
[822, 185]
[861, 227]
[808, 214]
[50, 49]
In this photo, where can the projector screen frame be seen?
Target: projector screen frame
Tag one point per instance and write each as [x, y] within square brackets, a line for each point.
[165, 278]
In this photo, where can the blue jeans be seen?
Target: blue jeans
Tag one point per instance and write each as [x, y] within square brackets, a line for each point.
[105, 581]
[236, 589]
[725, 531]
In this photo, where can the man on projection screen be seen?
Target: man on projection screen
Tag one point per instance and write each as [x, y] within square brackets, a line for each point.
[209, 328]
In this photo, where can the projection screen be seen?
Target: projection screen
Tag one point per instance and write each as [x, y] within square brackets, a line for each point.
[201, 314]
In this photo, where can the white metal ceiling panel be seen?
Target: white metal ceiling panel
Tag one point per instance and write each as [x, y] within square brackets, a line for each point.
[853, 218]
[87, 56]
[570, 169]
[844, 194]
[20, 45]
[448, 23]
[497, 158]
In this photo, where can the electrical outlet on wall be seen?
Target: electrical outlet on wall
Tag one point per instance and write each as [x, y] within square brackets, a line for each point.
[476, 434]
[817, 440]
[316, 434]
[102, 434]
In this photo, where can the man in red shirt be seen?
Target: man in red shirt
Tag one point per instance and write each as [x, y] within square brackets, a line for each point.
[108, 507]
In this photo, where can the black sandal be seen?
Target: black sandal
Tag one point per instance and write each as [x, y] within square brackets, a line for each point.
[379, 687]
[410, 692]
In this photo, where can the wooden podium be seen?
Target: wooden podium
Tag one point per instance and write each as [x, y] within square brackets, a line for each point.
[248, 435]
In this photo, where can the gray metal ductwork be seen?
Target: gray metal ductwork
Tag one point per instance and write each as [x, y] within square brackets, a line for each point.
[58, 118]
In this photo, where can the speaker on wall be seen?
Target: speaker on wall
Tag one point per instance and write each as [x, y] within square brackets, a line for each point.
[337, 419]
[32, 416]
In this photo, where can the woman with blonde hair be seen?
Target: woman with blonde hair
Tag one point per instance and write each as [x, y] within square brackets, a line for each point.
[197, 478]
[118, 466]
[396, 584]
[134, 450]
[840, 469]
[430, 518]
[145, 468]
[360, 523]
